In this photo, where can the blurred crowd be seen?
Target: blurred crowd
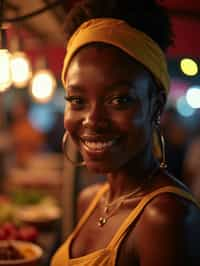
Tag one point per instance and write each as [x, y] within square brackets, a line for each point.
[21, 143]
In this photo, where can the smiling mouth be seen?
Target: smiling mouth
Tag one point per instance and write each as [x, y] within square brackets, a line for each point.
[98, 146]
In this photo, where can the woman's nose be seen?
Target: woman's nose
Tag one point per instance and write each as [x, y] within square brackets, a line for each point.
[96, 118]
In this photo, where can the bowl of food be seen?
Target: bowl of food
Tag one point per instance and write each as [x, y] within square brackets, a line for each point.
[19, 253]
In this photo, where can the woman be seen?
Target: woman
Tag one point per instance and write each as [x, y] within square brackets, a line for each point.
[116, 82]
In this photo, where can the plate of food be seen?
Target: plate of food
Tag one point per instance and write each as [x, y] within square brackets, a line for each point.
[29, 207]
[19, 253]
[43, 213]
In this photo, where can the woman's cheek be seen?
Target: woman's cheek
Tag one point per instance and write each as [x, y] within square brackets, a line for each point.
[68, 124]
[71, 123]
[66, 119]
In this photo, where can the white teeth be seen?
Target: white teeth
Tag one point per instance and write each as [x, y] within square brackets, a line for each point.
[99, 145]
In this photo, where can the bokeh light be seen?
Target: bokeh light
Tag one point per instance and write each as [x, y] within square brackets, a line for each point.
[42, 117]
[189, 67]
[193, 96]
[5, 70]
[43, 86]
[21, 69]
[183, 108]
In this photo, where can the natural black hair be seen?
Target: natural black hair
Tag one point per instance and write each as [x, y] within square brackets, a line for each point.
[145, 15]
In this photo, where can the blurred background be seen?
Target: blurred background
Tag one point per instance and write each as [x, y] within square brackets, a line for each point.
[32, 167]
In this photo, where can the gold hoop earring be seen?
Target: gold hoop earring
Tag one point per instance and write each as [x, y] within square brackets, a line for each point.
[163, 163]
[64, 148]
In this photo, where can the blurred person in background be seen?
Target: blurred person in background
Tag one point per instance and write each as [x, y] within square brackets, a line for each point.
[116, 82]
[176, 139]
[26, 139]
[191, 167]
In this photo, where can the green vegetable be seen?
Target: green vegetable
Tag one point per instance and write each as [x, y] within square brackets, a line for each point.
[25, 197]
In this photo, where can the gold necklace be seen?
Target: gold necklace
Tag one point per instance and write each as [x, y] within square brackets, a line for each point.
[117, 203]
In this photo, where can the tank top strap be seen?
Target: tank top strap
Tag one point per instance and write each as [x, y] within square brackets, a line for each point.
[90, 209]
[141, 205]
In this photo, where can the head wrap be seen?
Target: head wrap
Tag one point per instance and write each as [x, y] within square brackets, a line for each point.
[130, 40]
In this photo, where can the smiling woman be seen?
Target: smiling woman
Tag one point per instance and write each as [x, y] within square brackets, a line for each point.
[108, 115]
[116, 82]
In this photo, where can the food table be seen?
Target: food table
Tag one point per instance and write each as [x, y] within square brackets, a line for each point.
[37, 192]
[38, 223]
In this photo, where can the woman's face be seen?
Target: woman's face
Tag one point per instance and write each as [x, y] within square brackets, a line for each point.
[108, 112]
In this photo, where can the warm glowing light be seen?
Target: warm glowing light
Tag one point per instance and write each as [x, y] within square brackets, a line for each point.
[189, 67]
[43, 86]
[193, 97]
[5, 70]
[21, 69]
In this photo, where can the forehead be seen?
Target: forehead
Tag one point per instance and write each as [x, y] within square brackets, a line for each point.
[102, 63]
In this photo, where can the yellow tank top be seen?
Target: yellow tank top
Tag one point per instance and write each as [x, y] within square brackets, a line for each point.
[107, 256]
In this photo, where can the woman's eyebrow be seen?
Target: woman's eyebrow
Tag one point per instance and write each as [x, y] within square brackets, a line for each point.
[118, 84]
[110, 87]
[75, 88]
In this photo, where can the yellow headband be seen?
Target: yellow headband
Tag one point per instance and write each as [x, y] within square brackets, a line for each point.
[118, 33]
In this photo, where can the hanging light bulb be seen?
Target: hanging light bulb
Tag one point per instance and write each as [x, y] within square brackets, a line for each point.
[5, 70]
[43, 85]
[21, 69]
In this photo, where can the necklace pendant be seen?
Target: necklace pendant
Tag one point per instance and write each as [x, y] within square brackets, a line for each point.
[102, 221]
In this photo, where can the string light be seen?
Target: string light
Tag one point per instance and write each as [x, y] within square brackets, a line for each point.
[21, 69]
[13, 70]
[5, 70]
[43, 85]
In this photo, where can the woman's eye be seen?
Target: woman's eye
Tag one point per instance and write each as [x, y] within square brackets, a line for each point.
[121, 100]
[74, 100]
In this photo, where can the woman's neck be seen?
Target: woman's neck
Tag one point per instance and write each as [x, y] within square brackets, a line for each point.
[134, 174]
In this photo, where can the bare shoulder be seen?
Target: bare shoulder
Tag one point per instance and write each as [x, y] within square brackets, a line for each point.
[169, 230]
[85, 197]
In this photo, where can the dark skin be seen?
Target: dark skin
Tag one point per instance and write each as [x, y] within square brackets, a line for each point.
[109, 101]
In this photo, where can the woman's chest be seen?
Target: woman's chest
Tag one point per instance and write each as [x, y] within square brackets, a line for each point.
[93, 237]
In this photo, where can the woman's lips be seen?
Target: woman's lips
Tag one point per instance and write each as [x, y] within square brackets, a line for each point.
[98, 146]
